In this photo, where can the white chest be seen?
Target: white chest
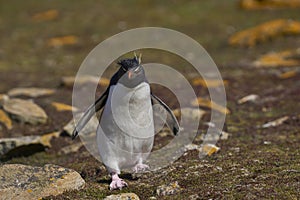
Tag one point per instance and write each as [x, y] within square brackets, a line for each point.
[130, 110]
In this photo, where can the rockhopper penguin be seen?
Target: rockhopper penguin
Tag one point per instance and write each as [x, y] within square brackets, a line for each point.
[125, 133]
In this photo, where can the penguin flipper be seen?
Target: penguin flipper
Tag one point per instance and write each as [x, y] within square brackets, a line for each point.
[171, 119]
[92, 109]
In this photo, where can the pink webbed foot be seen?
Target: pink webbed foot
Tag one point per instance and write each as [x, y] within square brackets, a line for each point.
[140, 167]
[117, 183]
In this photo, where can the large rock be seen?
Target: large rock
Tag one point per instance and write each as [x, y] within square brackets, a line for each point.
[189, 113]
[3, 98]
[25, 111]
[70, 148]
[63, 107]
[90, 127]
[27, 182]
[25, 145]
[205, 149]
[4, 119]
[269, 4]
[84, 79]
[30, 92]
[265, 32]
[123, 196]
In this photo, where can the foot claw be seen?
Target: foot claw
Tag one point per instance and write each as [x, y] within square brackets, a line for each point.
[117, 184]
[141, 167]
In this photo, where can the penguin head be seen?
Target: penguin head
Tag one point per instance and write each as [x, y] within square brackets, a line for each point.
[132, 71]
[132, 67]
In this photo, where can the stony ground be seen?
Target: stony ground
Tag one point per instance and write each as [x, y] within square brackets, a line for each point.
[253, 163]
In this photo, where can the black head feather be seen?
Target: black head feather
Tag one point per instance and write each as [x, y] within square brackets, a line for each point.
[128, 63]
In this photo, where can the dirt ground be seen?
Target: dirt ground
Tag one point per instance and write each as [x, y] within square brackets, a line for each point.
[253, 163]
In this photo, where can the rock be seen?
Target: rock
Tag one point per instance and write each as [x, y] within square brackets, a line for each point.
[264, 32]
[191, 147]
[209, 83]
[63, 107]
[3, 98]
[30, 92]
[169, 189]
[71, 148]
[164, 133]
[122, 196]
[25, 145]
[90, 127]
[289, 74]
[208, 149]
[267, 142]
[189, 113]
[26, 182]
[213, 136]
[224, 135]
[62, 41]
[251, 98]
[268, 4]
[5, 120]
[70, 80]
[194, 197]
[25, 111]
[46, 15]
[287, 58]
[206, 103]
[276, 122]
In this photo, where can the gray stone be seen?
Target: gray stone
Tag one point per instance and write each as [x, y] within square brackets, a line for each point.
[189, 113]
[165, 133]
[208, 149]
[276, 122]
[122, 196]
[25, 145]
[69, 81]
[169, 189]
[71, 148]
[3, 98]
[90, 127]
[26, 182]
[30, 92]
[224, 135]
[25, 111]
[191, 147]
[248, 98]
[4, 119]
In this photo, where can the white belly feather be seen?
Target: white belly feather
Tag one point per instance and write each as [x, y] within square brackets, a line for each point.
[126, 131]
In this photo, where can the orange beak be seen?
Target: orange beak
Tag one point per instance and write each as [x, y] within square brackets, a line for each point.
[130, 74]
